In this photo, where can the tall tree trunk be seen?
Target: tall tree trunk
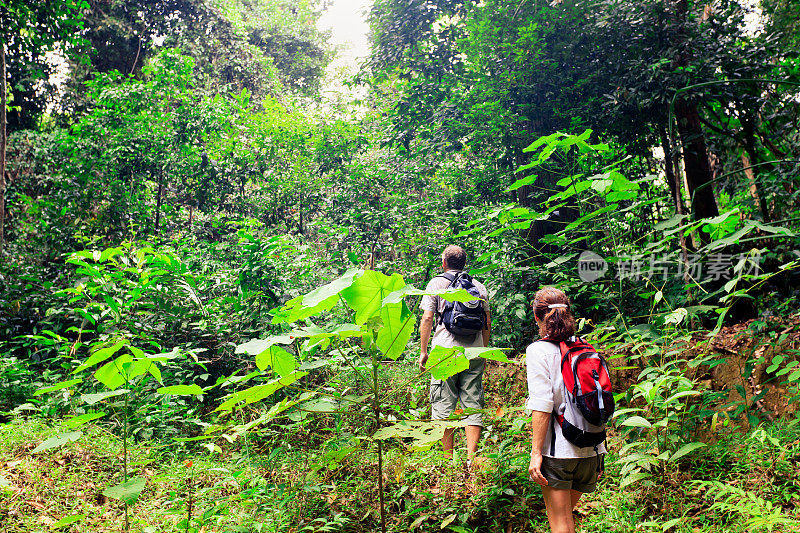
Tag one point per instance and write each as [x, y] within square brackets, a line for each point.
[158, 198]
[695, 161]
[692, 139]
[3, 133]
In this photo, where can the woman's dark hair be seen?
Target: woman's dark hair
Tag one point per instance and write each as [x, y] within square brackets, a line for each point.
[554, 312]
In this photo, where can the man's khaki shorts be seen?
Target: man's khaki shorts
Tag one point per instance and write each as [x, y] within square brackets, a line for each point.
[466, 387]
[576, 474]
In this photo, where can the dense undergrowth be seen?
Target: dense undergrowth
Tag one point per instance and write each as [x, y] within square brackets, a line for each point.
[279, 480]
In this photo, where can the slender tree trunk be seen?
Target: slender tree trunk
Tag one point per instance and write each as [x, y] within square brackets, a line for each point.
[377, 413]
[676, 188]
[300, 216]
[3, 133]
[754, 191]
[158, 198]
[675, 185]
[750, 158]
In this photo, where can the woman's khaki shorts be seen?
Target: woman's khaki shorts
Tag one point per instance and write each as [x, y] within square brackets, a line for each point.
[576, 474]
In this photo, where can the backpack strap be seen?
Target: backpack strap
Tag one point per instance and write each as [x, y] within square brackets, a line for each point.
[446, 275]
[451, 278]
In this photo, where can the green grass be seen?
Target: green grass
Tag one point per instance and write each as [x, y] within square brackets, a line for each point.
[272, 480]
[44, 488]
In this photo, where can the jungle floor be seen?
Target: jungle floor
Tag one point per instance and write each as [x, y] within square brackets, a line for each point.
[746, 478]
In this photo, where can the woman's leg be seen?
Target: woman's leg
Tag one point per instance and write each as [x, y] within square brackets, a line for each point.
[559, 504]
[575, 496]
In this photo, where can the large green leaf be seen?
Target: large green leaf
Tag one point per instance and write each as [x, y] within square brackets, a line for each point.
[723, 224]
[677, 316]
[527, 180]
[593, 214]
[58, 386]
[181, 390]
[636, 422]
[621, 183]
[79, 420]
[670, 223]
[572, 190]
[267, 354]
[316, 336]
[315, 302]
[621, 196]
[495, 354]
[445, 362]
[128, 491]
[777, 230]
[256, 346]
[259, 392]
[282, 362]
[315, 333]
[138, 367]
[450, 294]
[113, 374]
[685, 449]
[545, 139]
[398, 325]
[366, 294]
[100, 355]
[67, 520]
[92, 399]
[321, 294]
[57, 441]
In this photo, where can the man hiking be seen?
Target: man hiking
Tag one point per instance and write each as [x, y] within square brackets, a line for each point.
[456, 324]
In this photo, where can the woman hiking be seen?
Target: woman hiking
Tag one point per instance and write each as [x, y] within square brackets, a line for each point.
[565, 471]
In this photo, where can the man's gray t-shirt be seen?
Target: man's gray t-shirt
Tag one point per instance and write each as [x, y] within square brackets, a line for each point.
[442, 337]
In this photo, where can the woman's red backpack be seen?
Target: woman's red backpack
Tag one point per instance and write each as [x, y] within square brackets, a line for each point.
[587, 389]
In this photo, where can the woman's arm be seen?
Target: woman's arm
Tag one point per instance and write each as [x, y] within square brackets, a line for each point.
[540, 402]
[539, 423]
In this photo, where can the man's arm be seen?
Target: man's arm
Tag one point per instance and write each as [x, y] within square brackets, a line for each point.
[487, 332]
[425, 327]
[539, 423]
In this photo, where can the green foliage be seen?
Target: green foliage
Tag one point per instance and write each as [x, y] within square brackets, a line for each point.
[242, 257]
[758, 514]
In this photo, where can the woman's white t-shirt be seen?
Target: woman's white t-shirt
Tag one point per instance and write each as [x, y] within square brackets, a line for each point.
[546, 394]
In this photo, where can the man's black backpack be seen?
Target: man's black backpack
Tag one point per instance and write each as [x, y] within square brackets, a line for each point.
[464, 319]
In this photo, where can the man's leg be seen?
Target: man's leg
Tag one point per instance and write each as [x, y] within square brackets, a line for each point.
[447, 442]
[471, 396]
[473, 436]
[559, 504]
[443, 402]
